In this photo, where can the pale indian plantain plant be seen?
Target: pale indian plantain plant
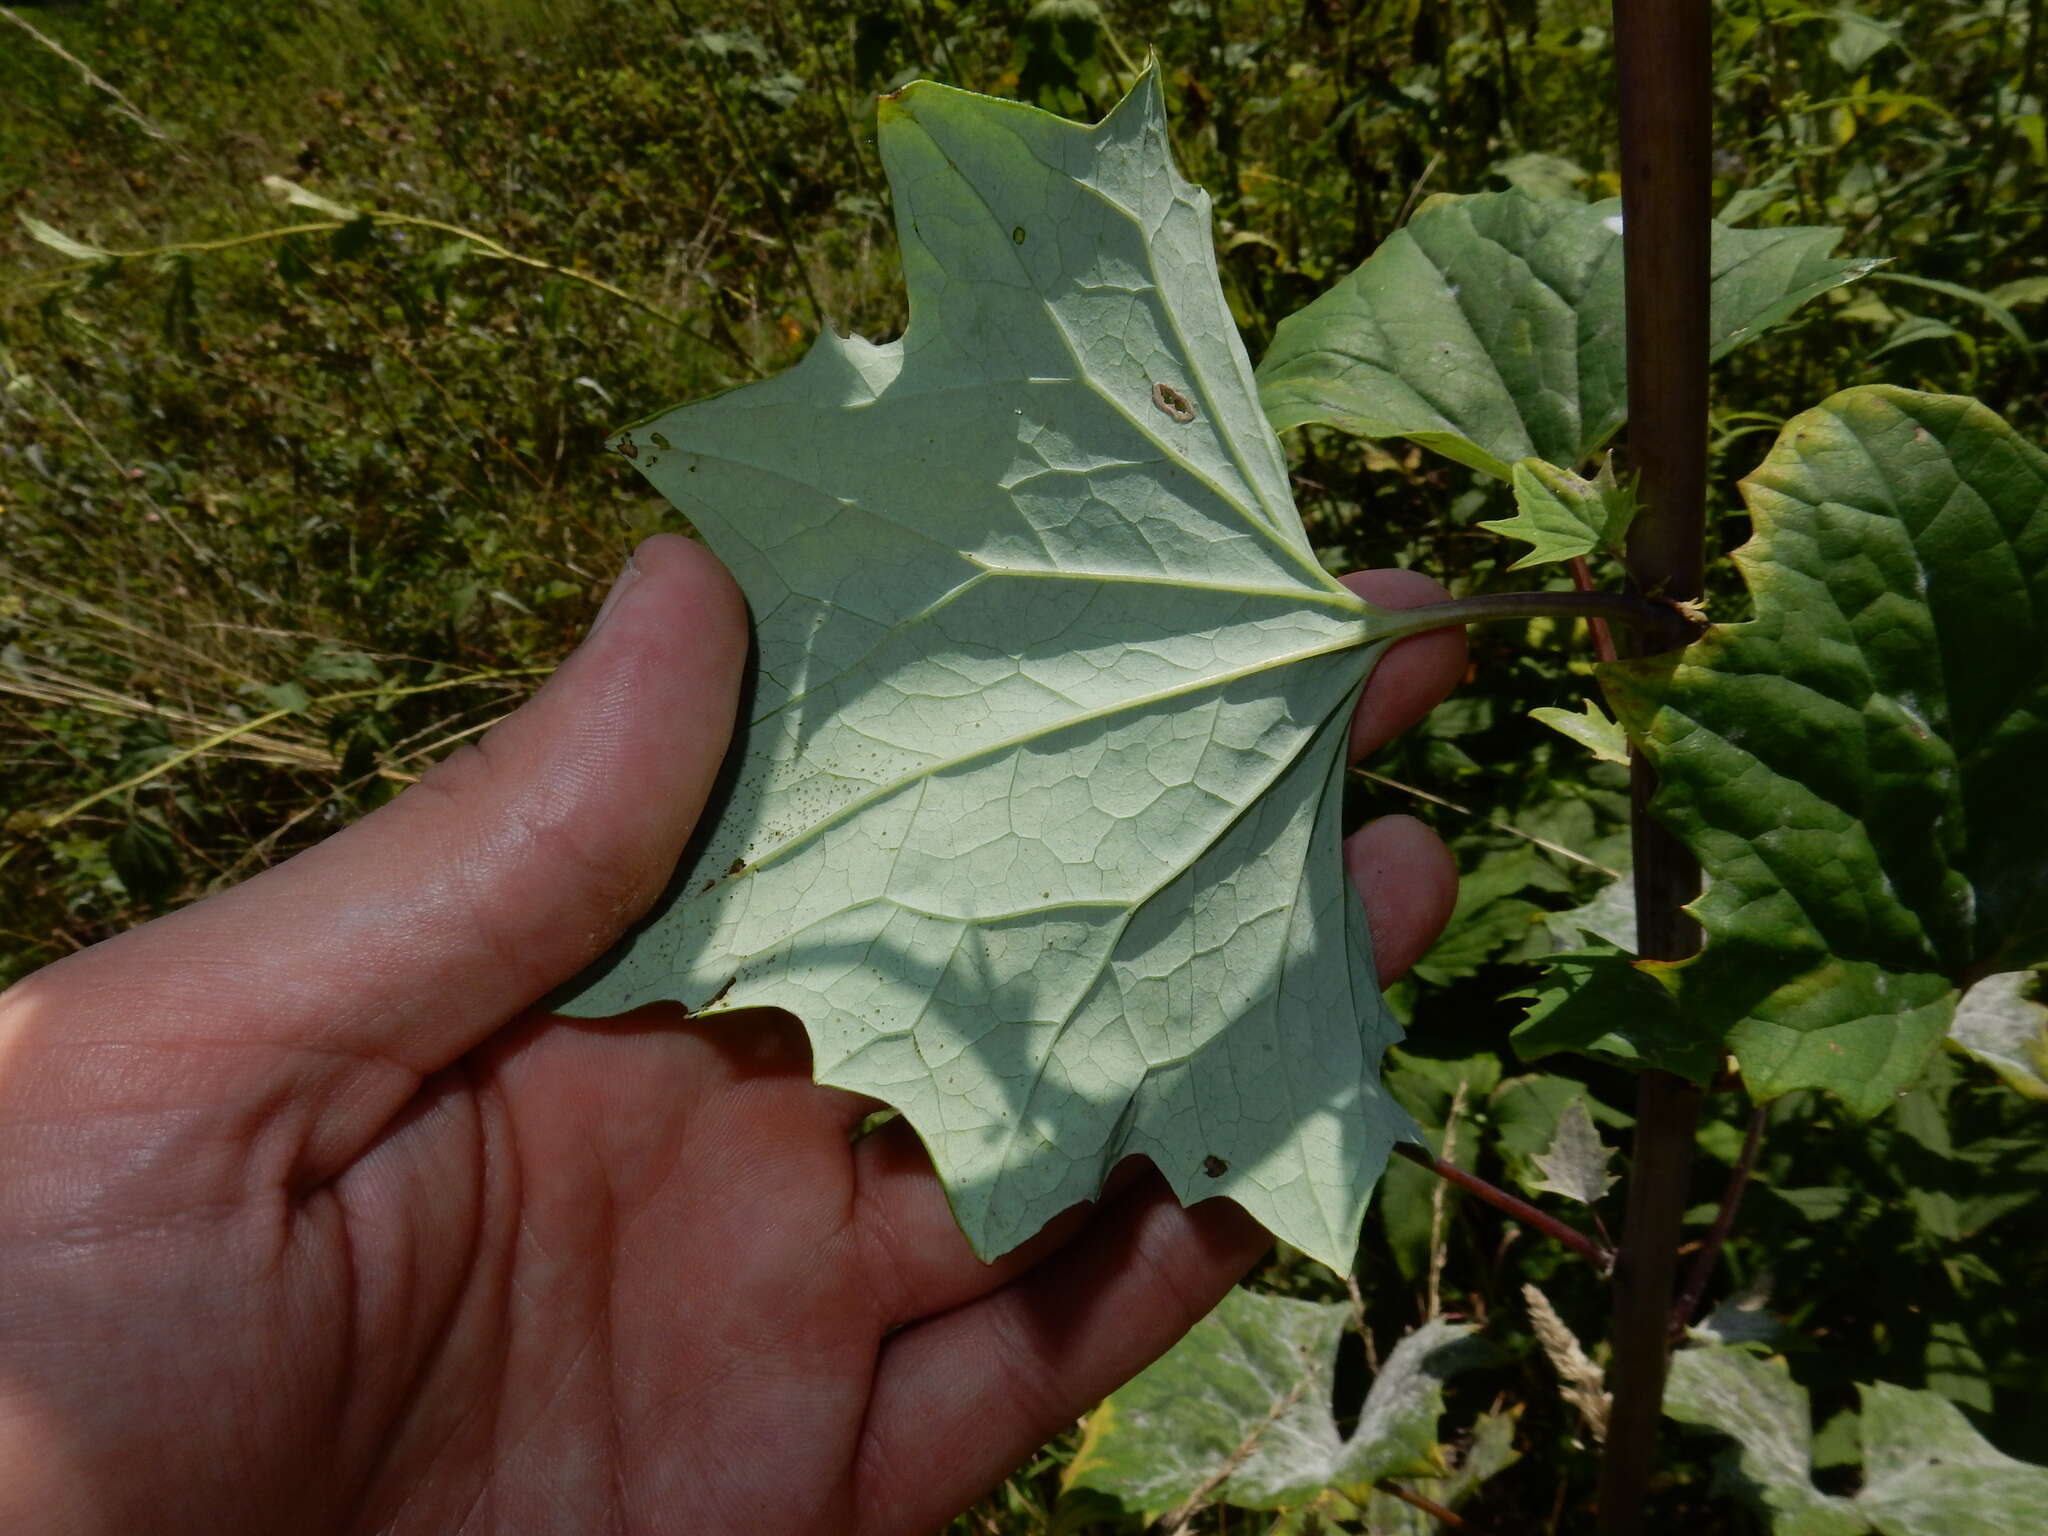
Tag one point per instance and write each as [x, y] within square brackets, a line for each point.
[1034, 819]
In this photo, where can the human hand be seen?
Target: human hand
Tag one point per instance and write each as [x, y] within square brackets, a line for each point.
[308, 1222]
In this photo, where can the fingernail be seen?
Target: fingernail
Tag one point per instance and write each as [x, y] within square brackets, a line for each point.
[628, 574]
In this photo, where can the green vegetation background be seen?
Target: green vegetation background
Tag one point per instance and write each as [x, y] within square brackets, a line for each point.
[284, 516]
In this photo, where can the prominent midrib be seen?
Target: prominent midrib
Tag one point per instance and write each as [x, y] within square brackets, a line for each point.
[1128, 906]
[1136, 703]
[1300, 596]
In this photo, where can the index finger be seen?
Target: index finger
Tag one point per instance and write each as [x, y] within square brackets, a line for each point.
[1416, 674]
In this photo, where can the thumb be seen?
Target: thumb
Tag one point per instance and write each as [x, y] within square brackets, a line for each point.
[407, 939]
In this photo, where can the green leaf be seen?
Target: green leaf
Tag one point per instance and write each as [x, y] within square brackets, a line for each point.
[1609, 917]
[1990, 303]
[1542, 175]
[1591, 727]
[1562, 516]
[2001, 1022]
[1242, 1409]
[145, 859]
[1858, 38]
[1526, 1111]
[1758, 1405]
[1476, 935]
[1926, 1471]
[1601, 1002]
[1913, 329]
[1488, 916]
[1575, 1163]
[1743, 1318]
[1489, 328]
[1035, 821]
[1427, 1087]
[293, 195]
[1492, 1450]
[334, 665]
[2022, 290]
[1859, 767]
[61, 243]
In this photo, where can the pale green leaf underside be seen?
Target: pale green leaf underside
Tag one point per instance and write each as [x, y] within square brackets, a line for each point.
[1251, 1389]
[1926, 1471]
[2002, 1022]
[1758, 1404]
[1859, 768]
[1035, 821]
[1489, 328]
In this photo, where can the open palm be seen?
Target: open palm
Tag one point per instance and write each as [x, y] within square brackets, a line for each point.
[307, 1222]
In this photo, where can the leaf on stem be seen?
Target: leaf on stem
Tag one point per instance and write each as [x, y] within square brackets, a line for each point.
[1757, 1404]
[1241, 1411]
[63, 244]
[1575, 1164]
[1599, 1001]
[1562, 516]
[1489, 328]
[1858, 768]
[2002, 1023]
[1926, 1470]
[1035, 822]
[1590, 726]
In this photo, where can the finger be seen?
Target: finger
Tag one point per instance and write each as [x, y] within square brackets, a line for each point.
[994, 1380]
[1408, 882]
[339, 979]
[1416, 673]
[913, 1256]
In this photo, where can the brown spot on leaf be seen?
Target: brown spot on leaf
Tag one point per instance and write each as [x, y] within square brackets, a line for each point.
[1173, 402]
[1214, 1166]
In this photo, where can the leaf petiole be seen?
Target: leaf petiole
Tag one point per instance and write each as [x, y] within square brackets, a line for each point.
[1514, 1206]
[1660, 626]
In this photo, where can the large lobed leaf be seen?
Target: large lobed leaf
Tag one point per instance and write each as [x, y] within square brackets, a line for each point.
[1241, 1411]
[1926, 1471]
[1859, 768]
[1490, 328]
[1034, 822]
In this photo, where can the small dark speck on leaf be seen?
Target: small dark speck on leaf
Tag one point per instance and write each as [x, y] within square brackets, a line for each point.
[1214, 1166]
[628, 447]
[735, 866]
[708, 884]
[1017, 235]
[658, 440]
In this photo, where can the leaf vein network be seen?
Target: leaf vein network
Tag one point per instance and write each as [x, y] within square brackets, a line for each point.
[1266, 525]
